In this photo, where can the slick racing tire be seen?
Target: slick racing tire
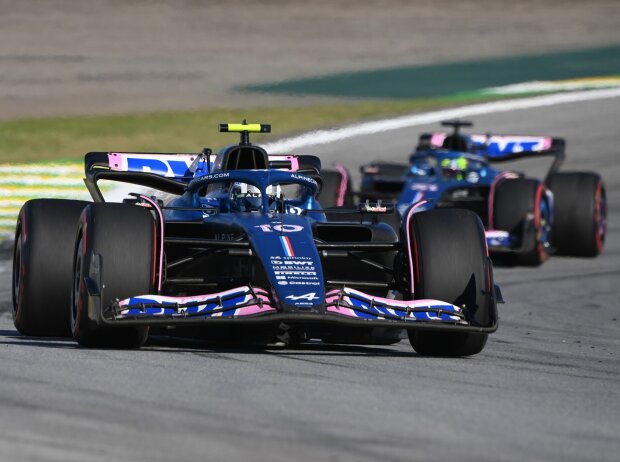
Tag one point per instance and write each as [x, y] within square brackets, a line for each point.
[522, 208]
[451, 264]
[580, 218]
[42, 266]
[115, 244]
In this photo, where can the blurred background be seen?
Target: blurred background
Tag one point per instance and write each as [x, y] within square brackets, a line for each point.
[160, 75]
[65, 57]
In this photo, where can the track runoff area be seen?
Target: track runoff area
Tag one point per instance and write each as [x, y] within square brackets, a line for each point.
[23, 182]
[318, 137]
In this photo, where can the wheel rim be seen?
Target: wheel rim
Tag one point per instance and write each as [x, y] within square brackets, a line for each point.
[600, 217]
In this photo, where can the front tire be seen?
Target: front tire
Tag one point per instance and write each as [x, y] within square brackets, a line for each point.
[42, 266]
[580, 222]
[115, 241]
[451, 264]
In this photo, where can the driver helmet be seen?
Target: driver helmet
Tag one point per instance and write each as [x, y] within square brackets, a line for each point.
[245, 197]
[454, 168]
[423, 166]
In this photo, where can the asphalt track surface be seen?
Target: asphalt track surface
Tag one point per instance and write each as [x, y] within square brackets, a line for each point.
[545, 387]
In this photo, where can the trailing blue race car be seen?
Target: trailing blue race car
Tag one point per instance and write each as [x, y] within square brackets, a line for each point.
[525, 219]
[236, 247]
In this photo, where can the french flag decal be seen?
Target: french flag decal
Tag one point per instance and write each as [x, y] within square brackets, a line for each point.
[286, 245]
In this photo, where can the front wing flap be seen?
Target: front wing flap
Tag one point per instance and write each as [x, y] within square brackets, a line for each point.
[247, 304]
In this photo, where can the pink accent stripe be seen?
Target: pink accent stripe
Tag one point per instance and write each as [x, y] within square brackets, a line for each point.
[410, 254]
[332, 297]
[115, 161]
[502, 176]
[344, 182]
[261, 293]
[254, 309]
[388, 302]
[343, 310]
[291, 158]
[437, 139]
[118, 160]
[155, 205]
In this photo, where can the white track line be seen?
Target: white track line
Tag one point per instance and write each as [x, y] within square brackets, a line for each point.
[318, 137]
[329, 136]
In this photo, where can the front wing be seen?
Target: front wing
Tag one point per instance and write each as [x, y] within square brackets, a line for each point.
[247, 304]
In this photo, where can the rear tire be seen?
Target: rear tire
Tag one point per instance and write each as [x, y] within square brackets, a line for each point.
[451, 264]
[521, 208]
[124, 238]
[579, 225]
[42, 266]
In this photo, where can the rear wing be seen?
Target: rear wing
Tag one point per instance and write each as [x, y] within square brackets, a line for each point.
[171, 172]
[498, 148]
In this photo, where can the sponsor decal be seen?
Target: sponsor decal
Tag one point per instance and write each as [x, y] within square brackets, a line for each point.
[294, 210]
[304, 178]
[164, 165]
[300, 283]
[423, 187]
[309, 296]
[297, 273]
[502, 144]
[511, 144]
[224, 236]
[215, 176]
[303, 300]
[294, 270]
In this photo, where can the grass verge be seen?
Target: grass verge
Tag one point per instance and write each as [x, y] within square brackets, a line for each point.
[69, 138]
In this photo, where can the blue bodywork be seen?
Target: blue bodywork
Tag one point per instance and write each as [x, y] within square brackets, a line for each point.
[276, 230]
[454, 170]
[254, 235]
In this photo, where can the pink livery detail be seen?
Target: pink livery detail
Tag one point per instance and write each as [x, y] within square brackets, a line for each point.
[496, 234]
[342, 187]
[516, 142]
[412, 210]
[250, 301]
[437, 139]
[168, 165]
[287, 158]
[160, 220]
[501, 143]
[349, 302]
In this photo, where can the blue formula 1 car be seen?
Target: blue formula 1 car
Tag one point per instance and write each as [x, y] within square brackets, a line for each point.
[235, 247]
[525, 219]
